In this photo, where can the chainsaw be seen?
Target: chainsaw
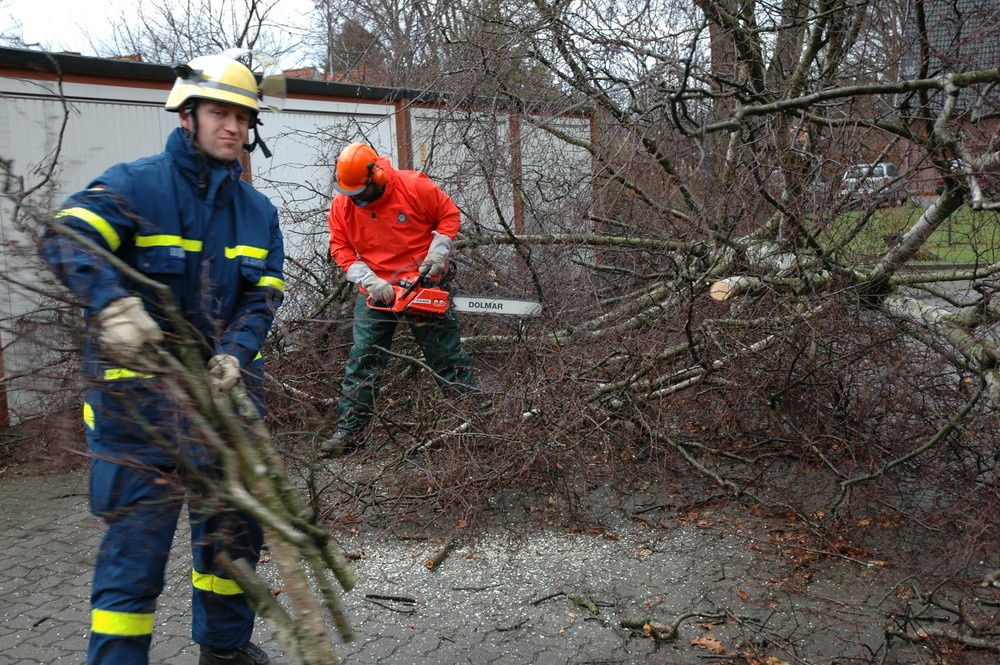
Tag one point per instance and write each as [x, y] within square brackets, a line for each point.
[417, 294]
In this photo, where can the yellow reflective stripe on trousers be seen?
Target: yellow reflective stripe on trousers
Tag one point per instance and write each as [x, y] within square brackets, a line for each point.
[246, 250]
[100, 225]
[168, 241]
[213, 584]
[115, 373]
[120, 623]
[88, 415]
[273, 282]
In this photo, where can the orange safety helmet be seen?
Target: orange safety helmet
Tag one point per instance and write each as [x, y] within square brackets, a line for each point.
[356, 169]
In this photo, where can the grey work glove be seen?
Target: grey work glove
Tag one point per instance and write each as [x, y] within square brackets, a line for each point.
[123, 327]
[437, 254]
[379, 289]
[225, 372]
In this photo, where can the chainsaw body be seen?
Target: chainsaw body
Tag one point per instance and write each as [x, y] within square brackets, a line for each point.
[413, 297]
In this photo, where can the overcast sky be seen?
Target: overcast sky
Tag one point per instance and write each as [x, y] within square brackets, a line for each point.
[70, 25]
[62, 25]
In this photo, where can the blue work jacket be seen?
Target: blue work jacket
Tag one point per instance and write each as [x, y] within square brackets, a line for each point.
[189, 223]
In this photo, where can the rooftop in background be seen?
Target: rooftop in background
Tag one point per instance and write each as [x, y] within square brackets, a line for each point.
[962, 35]
[306, 81]
[360, 76]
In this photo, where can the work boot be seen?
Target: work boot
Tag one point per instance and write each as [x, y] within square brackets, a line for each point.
[338, 444]
[248, 654]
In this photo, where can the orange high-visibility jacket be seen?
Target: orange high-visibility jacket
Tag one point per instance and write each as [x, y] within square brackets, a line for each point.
[392, 234]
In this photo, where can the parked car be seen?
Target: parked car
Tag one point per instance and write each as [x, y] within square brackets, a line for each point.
[879, 181]
[989, 181]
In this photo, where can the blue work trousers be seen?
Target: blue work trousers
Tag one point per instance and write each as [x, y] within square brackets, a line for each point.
[140, 507]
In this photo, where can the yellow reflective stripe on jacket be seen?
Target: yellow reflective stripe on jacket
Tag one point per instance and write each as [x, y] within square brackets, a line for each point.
[120, 623]
[258, 356]
[213, 584]
[88, 415]
[115, 373]
[246, 250]
[100, 225]
[273, 282]
[169, 241]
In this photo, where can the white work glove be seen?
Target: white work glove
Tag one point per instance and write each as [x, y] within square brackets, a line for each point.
[380, 290]
[433, 264]
[225, 372]
[123, 327]
[437, 254]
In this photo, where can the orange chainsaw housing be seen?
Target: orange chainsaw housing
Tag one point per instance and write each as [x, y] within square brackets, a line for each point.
[414, 298]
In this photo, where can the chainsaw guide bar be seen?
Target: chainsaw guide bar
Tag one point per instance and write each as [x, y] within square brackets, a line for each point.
[505, 306]
[413, 296]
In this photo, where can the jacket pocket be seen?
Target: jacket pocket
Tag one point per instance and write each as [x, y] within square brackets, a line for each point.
[126, 403]
[252, 269]
[162, 260]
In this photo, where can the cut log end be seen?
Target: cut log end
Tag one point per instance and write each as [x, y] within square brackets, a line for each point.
[721, 290]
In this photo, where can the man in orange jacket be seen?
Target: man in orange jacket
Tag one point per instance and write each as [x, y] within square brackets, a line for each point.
[385, 222]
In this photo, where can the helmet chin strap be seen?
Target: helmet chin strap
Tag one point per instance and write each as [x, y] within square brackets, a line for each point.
[257, 140]
[192, 133]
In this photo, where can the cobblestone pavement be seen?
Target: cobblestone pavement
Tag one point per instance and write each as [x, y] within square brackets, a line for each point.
[506, 599]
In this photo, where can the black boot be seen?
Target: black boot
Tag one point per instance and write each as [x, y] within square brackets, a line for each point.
[338, 444]
[248, 654]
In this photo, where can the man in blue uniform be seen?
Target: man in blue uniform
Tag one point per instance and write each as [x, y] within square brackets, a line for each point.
[185, 219]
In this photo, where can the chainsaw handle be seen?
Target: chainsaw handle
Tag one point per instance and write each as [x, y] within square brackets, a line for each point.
[393, 306]
[380, 305]
[417, 282]
[397, 305]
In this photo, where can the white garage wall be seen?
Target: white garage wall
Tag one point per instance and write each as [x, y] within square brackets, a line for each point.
[105, 125]
[555, 180]
[463, 152]
[470, 154]
[98, 126]
[304, 140]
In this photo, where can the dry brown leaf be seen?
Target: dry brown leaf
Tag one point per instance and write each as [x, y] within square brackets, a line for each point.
[710, 643]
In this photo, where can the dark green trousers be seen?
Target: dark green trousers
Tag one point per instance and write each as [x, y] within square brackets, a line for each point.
[439, 340]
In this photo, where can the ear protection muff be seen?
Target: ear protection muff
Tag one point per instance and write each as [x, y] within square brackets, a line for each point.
[376, 175]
